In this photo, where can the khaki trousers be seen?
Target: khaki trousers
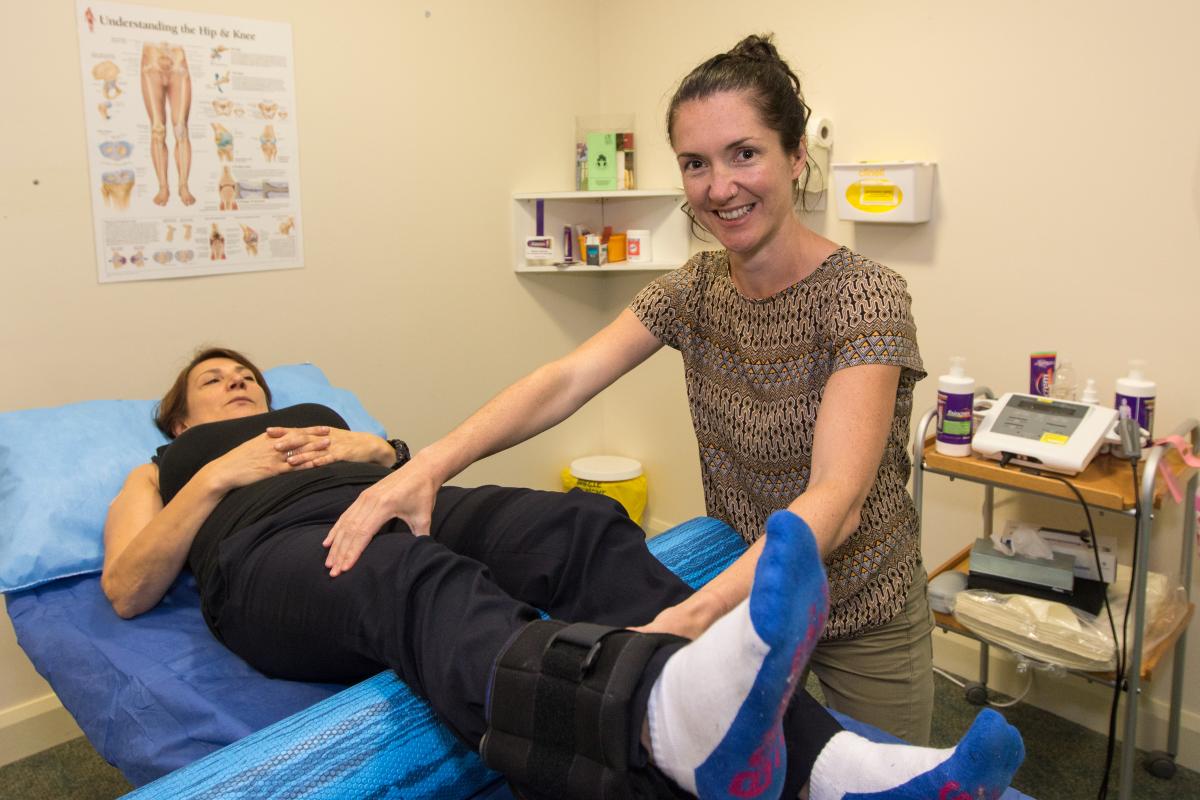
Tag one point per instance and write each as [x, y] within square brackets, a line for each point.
[885, 675]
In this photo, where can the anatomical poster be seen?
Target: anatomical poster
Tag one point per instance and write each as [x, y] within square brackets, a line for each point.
[192, 142]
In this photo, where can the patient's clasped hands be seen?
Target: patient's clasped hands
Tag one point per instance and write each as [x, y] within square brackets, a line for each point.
[252, 461]
[304, 448]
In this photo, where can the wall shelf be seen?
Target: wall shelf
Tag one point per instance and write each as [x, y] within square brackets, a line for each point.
[655, 210]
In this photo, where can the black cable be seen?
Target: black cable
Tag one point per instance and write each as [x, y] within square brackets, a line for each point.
[1122, 651]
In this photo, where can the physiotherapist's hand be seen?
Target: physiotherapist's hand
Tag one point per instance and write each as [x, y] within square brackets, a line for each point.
[407, 494]
[688, 619]
[319, 445]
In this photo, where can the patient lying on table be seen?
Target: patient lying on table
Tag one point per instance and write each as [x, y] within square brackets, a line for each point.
[245, 497]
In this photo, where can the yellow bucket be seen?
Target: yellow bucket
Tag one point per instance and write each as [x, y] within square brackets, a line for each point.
[613, 476]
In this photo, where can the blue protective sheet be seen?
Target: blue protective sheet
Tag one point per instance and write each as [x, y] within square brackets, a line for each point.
[157, 693]
[154, 693]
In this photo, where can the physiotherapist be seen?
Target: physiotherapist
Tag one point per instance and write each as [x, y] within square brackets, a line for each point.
[800, 358]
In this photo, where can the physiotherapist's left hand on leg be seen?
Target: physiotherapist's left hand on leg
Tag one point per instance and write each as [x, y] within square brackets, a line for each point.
[407, 494]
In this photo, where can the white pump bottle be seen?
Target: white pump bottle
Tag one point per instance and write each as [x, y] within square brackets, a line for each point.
[956, 399]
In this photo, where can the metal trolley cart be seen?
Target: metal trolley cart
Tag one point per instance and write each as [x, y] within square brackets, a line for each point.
[1106, 484]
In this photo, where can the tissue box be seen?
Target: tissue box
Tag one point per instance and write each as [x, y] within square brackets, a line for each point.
[1085, 560]
[1072, 544]
[1058, 574]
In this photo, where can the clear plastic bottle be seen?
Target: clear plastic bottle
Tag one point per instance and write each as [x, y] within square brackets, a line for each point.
[1063, 385]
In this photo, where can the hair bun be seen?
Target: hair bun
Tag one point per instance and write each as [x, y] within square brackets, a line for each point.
[757, 48]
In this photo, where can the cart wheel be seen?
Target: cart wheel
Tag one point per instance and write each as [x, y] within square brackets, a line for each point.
[1160, 764]
[976, 693]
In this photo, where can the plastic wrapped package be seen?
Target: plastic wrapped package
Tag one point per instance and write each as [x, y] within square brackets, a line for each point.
[1166, 606]
[1055, 633]
[1041, 629]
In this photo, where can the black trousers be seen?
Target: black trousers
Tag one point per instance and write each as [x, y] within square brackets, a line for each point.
[439, 609]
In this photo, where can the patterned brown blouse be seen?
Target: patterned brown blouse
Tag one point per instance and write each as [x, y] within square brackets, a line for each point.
[756, 371]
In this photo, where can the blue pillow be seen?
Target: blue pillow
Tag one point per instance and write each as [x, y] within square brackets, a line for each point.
[61, 467]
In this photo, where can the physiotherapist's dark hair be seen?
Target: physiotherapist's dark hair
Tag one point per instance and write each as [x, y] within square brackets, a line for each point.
[173, 407]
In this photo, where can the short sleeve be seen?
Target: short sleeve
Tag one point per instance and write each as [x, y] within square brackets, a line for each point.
[871, 321]
[660, 305]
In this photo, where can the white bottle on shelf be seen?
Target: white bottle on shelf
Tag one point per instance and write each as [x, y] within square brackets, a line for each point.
[956, 399]
[1090, 395]
[1136, 393]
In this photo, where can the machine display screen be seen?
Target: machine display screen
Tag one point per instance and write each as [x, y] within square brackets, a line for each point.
[1042, 421]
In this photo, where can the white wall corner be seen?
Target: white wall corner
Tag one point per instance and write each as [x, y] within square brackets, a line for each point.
[34, 726]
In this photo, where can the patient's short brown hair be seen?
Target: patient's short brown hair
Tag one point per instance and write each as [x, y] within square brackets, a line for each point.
[173, 407]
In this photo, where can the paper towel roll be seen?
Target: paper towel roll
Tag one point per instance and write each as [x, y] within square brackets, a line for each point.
[820, 138]
[820, 132]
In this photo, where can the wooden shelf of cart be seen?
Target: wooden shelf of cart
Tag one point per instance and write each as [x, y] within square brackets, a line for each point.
[655, 210]
[947, 622]
[1106, 483]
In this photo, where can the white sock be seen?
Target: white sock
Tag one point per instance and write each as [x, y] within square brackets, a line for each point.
[981, 765]
[714, 713]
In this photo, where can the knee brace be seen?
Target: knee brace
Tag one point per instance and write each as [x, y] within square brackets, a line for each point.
[561, 721]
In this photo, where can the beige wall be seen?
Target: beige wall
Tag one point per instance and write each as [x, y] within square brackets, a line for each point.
[1059, 221]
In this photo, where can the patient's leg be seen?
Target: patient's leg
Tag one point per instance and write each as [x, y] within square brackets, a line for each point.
[579, 557]
[439, 620]
[409, 604]
[576, 555]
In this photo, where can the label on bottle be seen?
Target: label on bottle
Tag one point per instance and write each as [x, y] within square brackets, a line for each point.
[1140, 408]
[955, 419]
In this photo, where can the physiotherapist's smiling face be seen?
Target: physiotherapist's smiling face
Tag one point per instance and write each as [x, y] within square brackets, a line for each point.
[221, 388]
[736, 174]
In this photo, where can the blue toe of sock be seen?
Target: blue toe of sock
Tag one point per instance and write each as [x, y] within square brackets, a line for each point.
[788, 579]
[992, 740]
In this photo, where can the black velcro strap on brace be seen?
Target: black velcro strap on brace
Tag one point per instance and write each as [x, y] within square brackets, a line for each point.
[560, 716]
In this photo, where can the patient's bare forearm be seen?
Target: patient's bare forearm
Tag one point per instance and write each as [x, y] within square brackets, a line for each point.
[144, 563]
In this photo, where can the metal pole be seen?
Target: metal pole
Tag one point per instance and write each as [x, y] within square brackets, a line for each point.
[1137, 593]
[1189, 539]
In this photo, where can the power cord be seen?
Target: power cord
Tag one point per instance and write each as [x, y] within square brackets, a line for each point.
[963, 684]
[1131, 450]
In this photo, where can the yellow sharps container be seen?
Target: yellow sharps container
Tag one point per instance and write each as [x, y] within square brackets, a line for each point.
[614, 476]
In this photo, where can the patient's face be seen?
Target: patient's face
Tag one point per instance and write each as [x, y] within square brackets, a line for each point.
[221, 388]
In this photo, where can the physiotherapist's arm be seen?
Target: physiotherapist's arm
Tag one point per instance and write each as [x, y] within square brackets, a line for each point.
[850, 434]
[535, 403]
[543, 398]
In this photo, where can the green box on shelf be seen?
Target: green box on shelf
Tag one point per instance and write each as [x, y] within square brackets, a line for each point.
[602, 162]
